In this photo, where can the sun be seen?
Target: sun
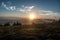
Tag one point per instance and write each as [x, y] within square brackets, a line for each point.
[32, 16]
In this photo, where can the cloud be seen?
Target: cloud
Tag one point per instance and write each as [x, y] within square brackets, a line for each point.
[29, 8]
[8, 7]
[38, 11]
[26, 8]
[47, 12]
[12, 7]
[5, 6]
[23, 8]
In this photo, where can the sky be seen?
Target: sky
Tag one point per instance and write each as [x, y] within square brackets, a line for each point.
[17, 8]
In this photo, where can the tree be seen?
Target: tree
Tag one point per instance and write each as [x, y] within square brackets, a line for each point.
[0, 25]
[7, 24]
[16, 24]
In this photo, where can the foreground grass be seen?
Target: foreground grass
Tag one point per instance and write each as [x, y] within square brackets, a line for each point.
[30, 32]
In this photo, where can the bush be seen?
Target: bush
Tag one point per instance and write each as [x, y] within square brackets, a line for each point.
[7, 24]
[16, 24]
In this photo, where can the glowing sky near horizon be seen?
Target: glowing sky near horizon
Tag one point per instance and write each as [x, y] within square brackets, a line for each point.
[17, 8]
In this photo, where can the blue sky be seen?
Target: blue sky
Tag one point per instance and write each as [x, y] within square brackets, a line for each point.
[24, 7]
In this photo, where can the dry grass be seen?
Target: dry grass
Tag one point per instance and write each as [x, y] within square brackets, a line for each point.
[34, 31]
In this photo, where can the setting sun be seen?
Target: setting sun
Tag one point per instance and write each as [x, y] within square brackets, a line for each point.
[32, 16]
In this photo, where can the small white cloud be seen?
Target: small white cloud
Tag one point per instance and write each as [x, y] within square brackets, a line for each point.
[48, 13]
[8, 7]
[12, 8]
[5, 6]
[26, 8]
[29, 8]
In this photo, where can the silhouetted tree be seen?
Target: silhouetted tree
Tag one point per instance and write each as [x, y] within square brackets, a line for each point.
[1, 25]
[16, 24]
[7, 24]
[59, 21]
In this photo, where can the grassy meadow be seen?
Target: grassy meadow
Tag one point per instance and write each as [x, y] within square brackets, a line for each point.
[49, 31]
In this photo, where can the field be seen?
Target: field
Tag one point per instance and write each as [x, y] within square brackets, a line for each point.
[50, 31]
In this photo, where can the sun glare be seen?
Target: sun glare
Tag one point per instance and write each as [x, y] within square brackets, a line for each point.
[31, 16]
